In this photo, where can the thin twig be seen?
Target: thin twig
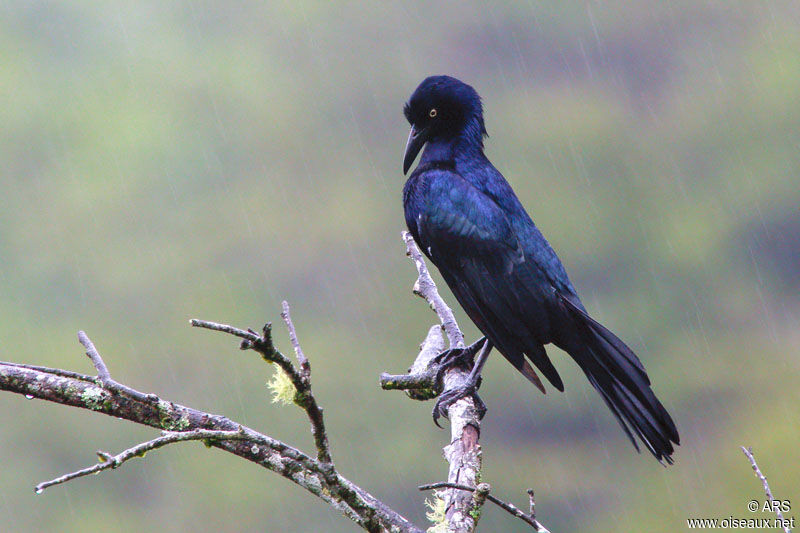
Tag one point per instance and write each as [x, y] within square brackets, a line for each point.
[305, 366]
[260, 343]
[108, 461]
[777, 508]
[97, 361]
[532, 502]
[508, 507]
[55, 371]
[225, 328]
[104, 377]
[305, 396]
[301, 379]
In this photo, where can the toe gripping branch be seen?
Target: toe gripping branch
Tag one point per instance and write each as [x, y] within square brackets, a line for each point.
[426, 377]
[467, 387]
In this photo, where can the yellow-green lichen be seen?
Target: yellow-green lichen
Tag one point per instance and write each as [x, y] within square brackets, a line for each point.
[166, 410]
[436, 515]
[164, 413]
[93, 398]
[282, 388]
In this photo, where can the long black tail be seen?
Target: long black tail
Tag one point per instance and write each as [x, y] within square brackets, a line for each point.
[618, 375]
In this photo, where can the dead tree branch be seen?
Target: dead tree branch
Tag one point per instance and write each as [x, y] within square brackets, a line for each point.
[464, 452]
[777, 508]
[180, 423]
[426, 380]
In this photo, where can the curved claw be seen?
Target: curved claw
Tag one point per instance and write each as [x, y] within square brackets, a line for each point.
[443, 403]
[436, 415]
[450, 397]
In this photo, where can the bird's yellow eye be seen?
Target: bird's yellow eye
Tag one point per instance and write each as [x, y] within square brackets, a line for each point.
[432, 113]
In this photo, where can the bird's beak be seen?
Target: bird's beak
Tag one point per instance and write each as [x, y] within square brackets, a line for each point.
[416, 140]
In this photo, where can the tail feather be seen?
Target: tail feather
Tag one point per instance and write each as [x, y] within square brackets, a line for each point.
[528, 371]
[618, 375]
[610, 403]
[649, 430]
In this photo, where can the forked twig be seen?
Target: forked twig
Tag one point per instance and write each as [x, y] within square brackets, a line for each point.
[300, 378]
[168, 437]
[104, 377]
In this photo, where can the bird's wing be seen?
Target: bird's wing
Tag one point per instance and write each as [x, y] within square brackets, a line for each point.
[515, 289]
[469, 238]
[537, 250]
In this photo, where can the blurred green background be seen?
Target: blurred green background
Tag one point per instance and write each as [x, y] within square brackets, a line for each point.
[162, 161]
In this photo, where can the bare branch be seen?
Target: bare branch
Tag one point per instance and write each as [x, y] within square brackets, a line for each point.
[301, 379]
[508, 507]
[426, 288]
[104, 377]
[749, 453]
[248, 335]
[423, 381]
[97, 361]
[463, 453]
[428, 379]
[319, 476]
[184, 423]
[108, 461]
[305, 366]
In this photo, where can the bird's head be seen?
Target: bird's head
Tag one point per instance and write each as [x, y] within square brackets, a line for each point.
[442, 108]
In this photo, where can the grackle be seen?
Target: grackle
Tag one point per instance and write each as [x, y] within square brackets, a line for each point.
[468, 221]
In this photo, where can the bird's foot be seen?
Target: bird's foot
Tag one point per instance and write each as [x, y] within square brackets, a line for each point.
[457, 356]
[449, 397]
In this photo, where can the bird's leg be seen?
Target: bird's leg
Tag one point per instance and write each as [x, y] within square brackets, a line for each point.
[469, 387]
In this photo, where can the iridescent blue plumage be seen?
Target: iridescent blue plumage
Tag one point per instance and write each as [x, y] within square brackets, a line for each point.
[468, 221]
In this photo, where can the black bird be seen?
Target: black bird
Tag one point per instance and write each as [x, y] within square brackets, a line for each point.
[468, 221]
